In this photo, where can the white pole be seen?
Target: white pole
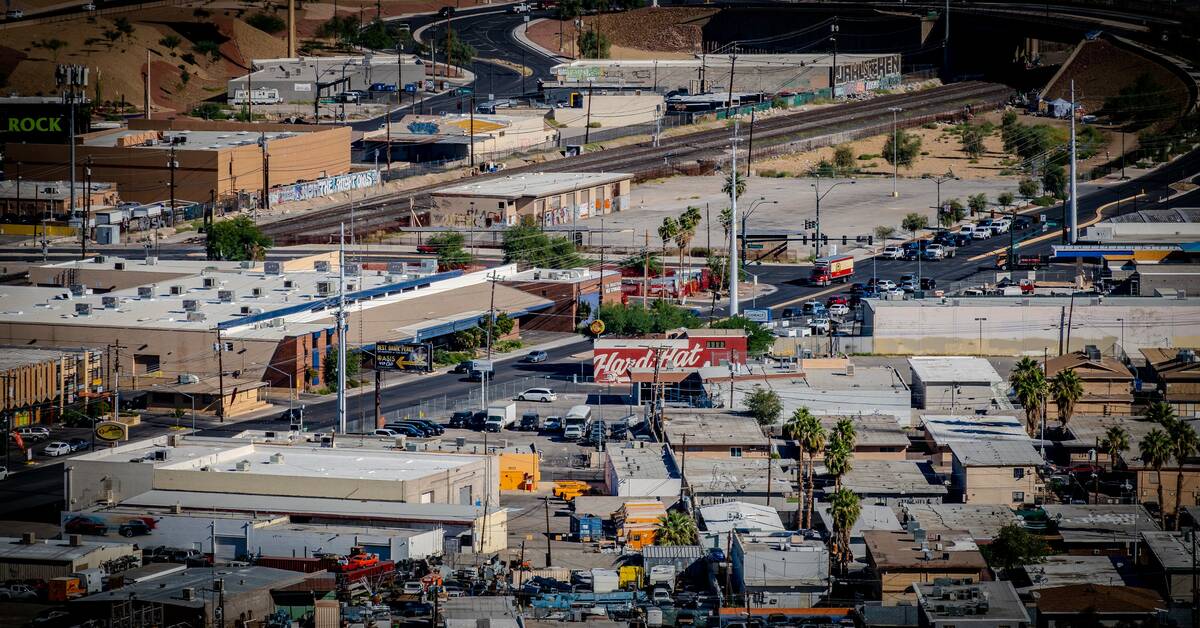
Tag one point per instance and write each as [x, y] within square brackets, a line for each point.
[895, 166]
[733, 225]
[1073, 213]
[341, 331]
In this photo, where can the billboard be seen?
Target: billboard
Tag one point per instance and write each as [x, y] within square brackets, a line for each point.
[41, 123]
[613, 360]
[403, 356]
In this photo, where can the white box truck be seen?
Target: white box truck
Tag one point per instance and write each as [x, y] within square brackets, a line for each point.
[576, 422]
[605, 580]
[500, 416]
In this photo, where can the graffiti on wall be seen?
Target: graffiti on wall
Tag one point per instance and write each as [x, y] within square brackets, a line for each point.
[475, 217]
[324, 187]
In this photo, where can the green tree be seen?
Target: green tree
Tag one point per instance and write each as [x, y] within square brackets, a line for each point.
[339, 27]
[796, 428]
[1184, 445]
[123, 26]
[676, 528]
[843, 159]
[907, 149]
[643, 263]
[208, 47]
[732, 179]
[450, 252]
[353, 365]
[236, 240]
[838, 460]
[1028, 382]
[726, 216]
[1027, 188]
[502, 325]
[844, 432]
[914, 222]
[1114, 443]
[625, 320]
[688, 222]
[952, 212]
[812, 439]
[569, 9]
[1066, 389]
[267, 23]
[759, 338]
[764, 405]
[972, 140]
[593, 45]
[884, 232]
[1013, 547]
[1155, 451]
[1054, 181]
[467, 339]
[170, 42]
[667, 232]
[844, 509]
[527, 244]
[378, 35]
[977, 202]
[1140, 103]
[1160, 412]
[1005, 199]
[461, 53]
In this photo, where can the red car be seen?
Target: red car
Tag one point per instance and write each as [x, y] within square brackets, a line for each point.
[1085, 469]
[84, 525]
[358, 561]
[837, 299]
[427, 248]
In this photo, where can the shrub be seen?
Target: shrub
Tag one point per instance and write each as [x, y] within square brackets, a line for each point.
[266, 23]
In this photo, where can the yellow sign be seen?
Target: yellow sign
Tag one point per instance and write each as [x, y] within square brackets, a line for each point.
[112, 431]
[597, 327]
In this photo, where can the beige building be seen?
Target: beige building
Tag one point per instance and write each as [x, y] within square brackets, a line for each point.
[898, 561]
[1107, 383]
[611, 109]
[36, 385]
[547, 199]
[29, 558]
[423, 139]
[34, 201]
[995, 472]
[1178, 375]
[697, 433]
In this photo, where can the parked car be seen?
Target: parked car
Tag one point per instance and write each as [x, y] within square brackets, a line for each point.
[79, 444]
[1001, 225]
[17, 592]
[885, 284]
[909, 285]
[552, 424]
[981, 233]
[1022, 223]
[538, 394]
[134, 527]
[661, 596]
[819, 325]
[398, 429]
[836, 299]
[34, 433]
[813, 308]
[85, 525]
[57, 448]
[416, 609]
[892, 252]
[530, 422]
[790, 312]
[535, 357]
[928, 283]
[445, 12]
[839, 309]
[518, 8]
[437, 429]
[461, 419]
[413, 587]
[386, 432]
[51, 617]
[967, 230]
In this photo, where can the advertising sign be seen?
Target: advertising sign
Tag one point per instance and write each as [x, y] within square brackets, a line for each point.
[41, 123]
[400, 356]
[758, 316]
[112, 431]
[612, 360]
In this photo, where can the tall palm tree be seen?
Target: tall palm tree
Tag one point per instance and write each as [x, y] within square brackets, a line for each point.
[1066, 389]
[676, 528]
[1115, 441]
[1161, 412]
[734, 179]
[812, 440]
[838, 460]
[844, 508]
[1184, 444]
[844, 431]
[1029, 383]
[794, 429]
[667, 231]
[1155, 450]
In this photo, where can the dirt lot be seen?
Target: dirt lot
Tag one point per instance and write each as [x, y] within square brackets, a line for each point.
[1101, 69]
[662, 33]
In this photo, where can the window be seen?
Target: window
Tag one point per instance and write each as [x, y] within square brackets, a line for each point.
[715, 344]
[144, 363]
[1018, 473]
[1018, 497]
[735, 452]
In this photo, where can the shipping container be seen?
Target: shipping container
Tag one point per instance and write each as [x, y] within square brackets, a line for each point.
[631, 576]
[562, 574]
[586, 528]
[605, 580]
[683, 558]
[293, 563]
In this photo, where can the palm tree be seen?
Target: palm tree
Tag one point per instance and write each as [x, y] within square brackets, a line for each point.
[1161, 412]
[844, 431]
[732, 179]
[1066, 388]
[688, 222]
[1155, 450]
[794, 429]
[1115, 441]
[1029, 383]
[838, 460]
[812, 440]
[1183, 446]
[676, 528]
[844, 508]
[667, 231]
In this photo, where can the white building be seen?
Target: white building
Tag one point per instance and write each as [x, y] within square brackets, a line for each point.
[638, 471]
[956, 383]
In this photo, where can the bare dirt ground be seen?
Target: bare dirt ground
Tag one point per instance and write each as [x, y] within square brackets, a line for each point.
[1101, 69]
[662, 33]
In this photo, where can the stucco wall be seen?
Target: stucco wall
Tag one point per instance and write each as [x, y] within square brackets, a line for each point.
[612, 110]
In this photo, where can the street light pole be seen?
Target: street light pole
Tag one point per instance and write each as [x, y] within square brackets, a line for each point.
[819, 196]
[980, 320]
[895, 138]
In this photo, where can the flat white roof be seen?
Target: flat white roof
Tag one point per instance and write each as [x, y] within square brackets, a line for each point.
[643, 463]
[953, 370]
[741, 516]
[949, 428]
[534, 185]
[344, 508]
[995, 453]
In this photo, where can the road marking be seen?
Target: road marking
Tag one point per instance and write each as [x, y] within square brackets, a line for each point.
[807, 297]
[1047, 236]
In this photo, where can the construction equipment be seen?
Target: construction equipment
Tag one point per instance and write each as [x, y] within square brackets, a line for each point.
[568, 490]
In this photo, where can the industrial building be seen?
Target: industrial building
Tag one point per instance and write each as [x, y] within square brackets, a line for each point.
[40, 383]
[548, 199]
[220, 159]
[640, 471]
[32, 202]
[955, 383]
[757, 73]
[419, 138]
[304, 80]
[573, 292]
[780, 570]
[28, 558]
[698, 433]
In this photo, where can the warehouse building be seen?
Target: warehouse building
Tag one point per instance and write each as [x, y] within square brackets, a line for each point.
[955, 383]
[573, 292]
[32, 202]
[548, 199]
[452, 137]
[28, 558]
[303, 80]
[225, 160]
[640, 471]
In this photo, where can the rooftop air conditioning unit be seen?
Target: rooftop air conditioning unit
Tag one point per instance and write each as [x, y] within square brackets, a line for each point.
[195, 317]
[188, 378]
[110, 303]
[145, 292]
[288, 284]
[351, 286]
[1092, 352]
[99, 259]
[272, 268]
[395, 268]
[1186, 356]
[243, 465]
[256, 292]
[151, 260]
[191, 305]
[118, 265]
[353, 269]
[83, 309]
[324, 288]
[176, 290]
[276, 458]
[188, 594]
[249, 310]
[226, 296]
[321, 266]
[78, 290]
[210, 282]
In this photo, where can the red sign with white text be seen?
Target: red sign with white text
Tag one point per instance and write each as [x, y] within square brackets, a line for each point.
[612, 360]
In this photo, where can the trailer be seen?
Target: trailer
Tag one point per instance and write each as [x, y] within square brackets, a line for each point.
[832, 268]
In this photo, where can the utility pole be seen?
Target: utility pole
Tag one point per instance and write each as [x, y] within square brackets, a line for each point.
[587, 127]
[646, 270]
[146, 89]
[732, 64]
[946, 42]
[749, 153]
[220, 376]
[72, 77]
[895, 140]
[172, 165]
[1073, 210]
[733, 222]
[265, 203]
[378, 396]
[116, 388]
[549, 554]
[341, 330]
[87, 211]
[833, 30]
[209, 213]
[471, 132]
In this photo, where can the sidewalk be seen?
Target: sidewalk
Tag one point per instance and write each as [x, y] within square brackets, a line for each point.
[518, 34]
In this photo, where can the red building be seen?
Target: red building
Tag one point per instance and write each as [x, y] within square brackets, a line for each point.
[679, 358]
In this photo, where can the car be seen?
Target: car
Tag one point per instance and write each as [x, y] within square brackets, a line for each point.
[51, 617]
[134, 527]
[813, 308]
[427, 248]
[85, 525]
[928, 283]
[189, 557]
[909, 285]
[967, 230]
[908, 277]
[445, 12]
[961, 240]
[986, 223]
[1085, 469]
[401, 429]
[836, 299]
[661, 596]
[292, 415]
[892, 252]
[935, 252]
[716, 555]
[437, 429]
[413, 587]
[530, 422]
[460, 419]
[535, 357]
[819, 325]
[17, 592]
[791, 312]
[857, 288]
[422, 430]
[415, 609]
[981, 233]
[3, 473]
[347, 97]
[552, 424]
[1001, 225]
[79, 444]
[14, 14]
[544, 395]
[1022, 223]
[57, 448]
[386, 431]
[453, 590]
[839, 309]
[884, 285]
[895, 293]
[89, 7]
[34, 433]
[518, 8]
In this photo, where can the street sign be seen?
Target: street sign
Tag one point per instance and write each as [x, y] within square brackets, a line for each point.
[403, 356]
[758, 316]
[410, 88]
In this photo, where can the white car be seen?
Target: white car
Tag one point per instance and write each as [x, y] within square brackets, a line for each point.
[883, 285]
[538, 394]
[383, 431]
[57, 448]
[1001, 225]
[967, 230]
[892, 252]
[35, 433]
[413, 587]
[908, 286]
[895, 293]
[819, 325]
[981, 233]
[839, 309]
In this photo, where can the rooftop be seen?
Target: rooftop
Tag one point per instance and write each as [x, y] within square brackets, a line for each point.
[1106, 368]
[875, 430]
[344, 508]
[168, 589]
[194, 140]
[784, 562]
[648, 462]
[1173, 215]
[740, 516]
[1088, 523]
[18, 357]
[712, 428]
[954, 370]
[992, 302]
[1065, 569]
[869, 390]
[892, 550]
[995, 454]
[985, 601]
[897, 478]
[12, 549]
[981, 521]
[533, 185]
[605, 505]
[1173, 550]
[944, 429]
[871, 517]
[28, 190]
[732, 476]
[550, 275]
[1085, 430]
[1093, 599]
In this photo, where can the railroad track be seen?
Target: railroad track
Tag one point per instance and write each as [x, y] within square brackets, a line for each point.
[671, 154]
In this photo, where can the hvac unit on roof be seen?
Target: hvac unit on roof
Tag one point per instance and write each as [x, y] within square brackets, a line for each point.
[176, 290]
[256, 292]
[77, 290]
[249, 310]
[118, 265]
[321, 266]
[395, 268]
[353, 269]
[209, 282]
[288, 284]
[109, 302]
[83, 309]
[1186, 356]
[195, 317]
[324, 288]
[272, 268]
[225, 296]
[99, 259]
[146, 292]
[191, 305]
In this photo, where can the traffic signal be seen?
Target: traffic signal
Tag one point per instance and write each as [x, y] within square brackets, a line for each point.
[870, 240]
[844, 240]
[804, 238]
[824, 239]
